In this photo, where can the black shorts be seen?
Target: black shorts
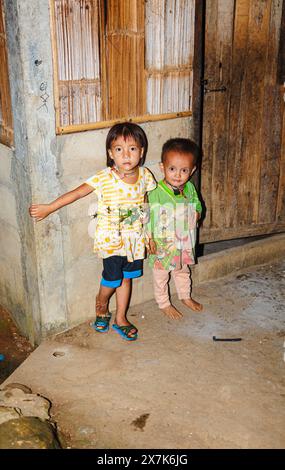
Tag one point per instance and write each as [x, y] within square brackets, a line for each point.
[115, 268]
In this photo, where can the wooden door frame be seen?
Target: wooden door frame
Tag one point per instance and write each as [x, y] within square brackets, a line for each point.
[198, 71]
[197, 101]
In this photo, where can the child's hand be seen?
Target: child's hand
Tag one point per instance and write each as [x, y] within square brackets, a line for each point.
[151, 248]
[39, 211]
[198, 216]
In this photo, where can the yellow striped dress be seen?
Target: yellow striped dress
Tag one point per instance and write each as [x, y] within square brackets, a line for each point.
[120, 230]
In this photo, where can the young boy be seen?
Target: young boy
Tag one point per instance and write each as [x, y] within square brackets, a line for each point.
[174, 211]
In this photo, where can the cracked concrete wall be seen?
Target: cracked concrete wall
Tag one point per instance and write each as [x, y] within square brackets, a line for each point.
[12, 290]
[34, 166]
[49, 275]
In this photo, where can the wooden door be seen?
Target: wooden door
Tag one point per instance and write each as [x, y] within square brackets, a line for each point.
[243, 165]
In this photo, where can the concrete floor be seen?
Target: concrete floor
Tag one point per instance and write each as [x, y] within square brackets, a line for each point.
[174, 387]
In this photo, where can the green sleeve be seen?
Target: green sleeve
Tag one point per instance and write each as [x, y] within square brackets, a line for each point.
[194, 197]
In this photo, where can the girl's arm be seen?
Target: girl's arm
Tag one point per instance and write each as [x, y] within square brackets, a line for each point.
[40, 211]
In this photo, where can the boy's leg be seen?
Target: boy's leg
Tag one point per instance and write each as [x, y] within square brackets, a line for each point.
[161, 295]
[182, 283]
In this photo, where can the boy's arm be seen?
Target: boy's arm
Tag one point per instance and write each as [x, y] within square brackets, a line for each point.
[195, 200]
[40, 211]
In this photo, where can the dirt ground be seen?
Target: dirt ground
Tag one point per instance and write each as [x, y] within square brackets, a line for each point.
[174, 388]
[13, 346]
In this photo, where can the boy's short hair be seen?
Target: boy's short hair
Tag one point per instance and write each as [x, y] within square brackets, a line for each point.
[181, 145]
[126, 129]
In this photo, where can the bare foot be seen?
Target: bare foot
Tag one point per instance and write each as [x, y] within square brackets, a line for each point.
[171, 312]
[191, 303]
[124, 322]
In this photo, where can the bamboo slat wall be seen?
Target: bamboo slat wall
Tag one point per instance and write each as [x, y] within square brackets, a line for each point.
[169, 55]
[6, 121]
[78, 66]
[125, 58]
[243, 168]
[121, 59]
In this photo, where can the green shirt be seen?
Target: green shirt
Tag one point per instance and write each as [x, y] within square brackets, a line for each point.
[172, 225]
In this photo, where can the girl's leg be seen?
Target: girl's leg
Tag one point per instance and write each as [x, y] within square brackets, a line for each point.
[101, 323]
[161, 295]
[123, 295]
[182, 283]
[102, 300]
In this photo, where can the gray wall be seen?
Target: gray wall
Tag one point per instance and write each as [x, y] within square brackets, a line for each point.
[34, 166]
[80, 156]
[49, 275]
[12, 290]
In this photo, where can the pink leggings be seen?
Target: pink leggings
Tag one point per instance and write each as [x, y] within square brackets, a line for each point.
[181, 279]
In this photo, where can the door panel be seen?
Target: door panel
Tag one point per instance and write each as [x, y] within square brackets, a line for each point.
[242, 174]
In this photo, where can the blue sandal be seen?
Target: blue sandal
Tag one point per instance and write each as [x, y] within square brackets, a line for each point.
[124, 331]
[103, 317]
[101, 324]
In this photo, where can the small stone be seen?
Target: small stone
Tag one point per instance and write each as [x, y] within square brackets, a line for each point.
[22, 387]
[28, 433]
[29, 404]
[7, 413]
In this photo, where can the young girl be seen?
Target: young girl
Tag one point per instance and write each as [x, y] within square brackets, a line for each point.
[119, 238]
[174, 211]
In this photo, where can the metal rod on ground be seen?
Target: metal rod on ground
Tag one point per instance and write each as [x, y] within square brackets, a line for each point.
[226, 339]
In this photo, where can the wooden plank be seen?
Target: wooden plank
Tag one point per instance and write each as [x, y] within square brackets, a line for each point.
[103, 124]
[236, 109]
[102, 48]
[209, 108]
[170, 70]
[273, 105]
[125, 58]
[6, 124]
[281, 54]
[280, 209]
[251, 133]
[198, 70]
[55, 64]
[212, 235]
[198, 73]
[221, 118]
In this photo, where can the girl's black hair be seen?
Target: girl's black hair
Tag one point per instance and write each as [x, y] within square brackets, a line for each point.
[181, 145]
[126, 129]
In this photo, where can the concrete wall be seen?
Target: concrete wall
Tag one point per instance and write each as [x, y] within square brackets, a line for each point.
[34, 167]
[49, 274]
[12, 289]
[80, 156]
